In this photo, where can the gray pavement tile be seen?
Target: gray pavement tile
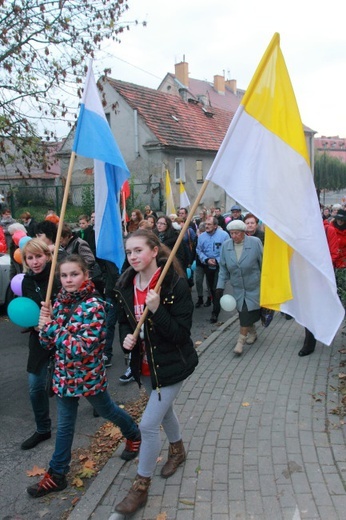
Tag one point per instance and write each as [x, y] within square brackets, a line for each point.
[268, 485]
[275, 459]
[306, 505]
[339, 502]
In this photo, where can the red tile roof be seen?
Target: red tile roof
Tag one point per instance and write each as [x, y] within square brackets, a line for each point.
[174, 122]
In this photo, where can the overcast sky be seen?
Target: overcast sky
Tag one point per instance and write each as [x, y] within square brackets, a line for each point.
[229, 37]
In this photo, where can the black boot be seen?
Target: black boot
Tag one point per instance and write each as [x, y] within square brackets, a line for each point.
[309, 344]
[199, 302]
[208, 302]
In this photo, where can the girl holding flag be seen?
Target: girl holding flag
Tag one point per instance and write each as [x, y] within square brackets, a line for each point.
[161, 358]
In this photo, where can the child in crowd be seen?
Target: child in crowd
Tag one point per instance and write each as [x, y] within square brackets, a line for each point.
[76, 328]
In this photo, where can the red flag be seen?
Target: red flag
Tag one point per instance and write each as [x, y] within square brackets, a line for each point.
[125, 193]
[125, 190]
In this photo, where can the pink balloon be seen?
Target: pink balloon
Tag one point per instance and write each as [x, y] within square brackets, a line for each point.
[16, 284]
[17, 236]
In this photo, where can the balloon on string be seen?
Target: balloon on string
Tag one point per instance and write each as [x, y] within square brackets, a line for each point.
[188, 272]
[17, 255]
[16, 284]
[23, 241]
[23, 312]
[17, 235]
[193, 266]
[228, 303]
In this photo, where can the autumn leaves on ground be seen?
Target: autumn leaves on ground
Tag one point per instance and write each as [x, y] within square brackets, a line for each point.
[87, 462]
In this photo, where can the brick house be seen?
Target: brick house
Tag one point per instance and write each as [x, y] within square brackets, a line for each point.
[179, 126]
[334, 146]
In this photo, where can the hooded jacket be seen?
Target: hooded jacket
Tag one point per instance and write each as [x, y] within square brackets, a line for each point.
[79, 366]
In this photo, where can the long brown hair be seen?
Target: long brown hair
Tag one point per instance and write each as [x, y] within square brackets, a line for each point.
[152, 240]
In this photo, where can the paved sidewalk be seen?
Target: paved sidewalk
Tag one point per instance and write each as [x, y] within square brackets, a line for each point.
[261, 442]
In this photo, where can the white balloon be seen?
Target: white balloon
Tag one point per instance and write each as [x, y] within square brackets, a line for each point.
[228, 303]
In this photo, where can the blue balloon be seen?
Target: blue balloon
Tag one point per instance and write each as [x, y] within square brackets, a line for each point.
[193, 266]
[23, 241]
[188, 272]
[24, 312]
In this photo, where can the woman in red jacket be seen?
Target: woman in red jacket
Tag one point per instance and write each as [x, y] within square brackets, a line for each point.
[336, 236]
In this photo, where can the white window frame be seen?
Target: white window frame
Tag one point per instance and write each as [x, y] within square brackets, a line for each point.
[200, 178]
[179, 170]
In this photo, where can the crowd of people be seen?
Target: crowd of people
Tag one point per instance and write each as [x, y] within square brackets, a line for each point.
[90, 295]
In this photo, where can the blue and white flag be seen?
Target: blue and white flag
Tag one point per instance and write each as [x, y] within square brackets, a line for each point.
[94, 139]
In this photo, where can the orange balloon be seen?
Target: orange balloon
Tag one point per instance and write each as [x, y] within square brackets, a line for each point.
[17, 255]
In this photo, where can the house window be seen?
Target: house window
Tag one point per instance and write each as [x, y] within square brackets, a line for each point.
[199, 171]
[179, 171]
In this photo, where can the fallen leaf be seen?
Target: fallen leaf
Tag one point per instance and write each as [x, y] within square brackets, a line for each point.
[245, 404]
[186, 502]
[36, 471]
[89, 464]
[86, 473]
[75, 501]
[336, 411]
[198, 470]
[158, 459]
[342, 375]
[77, 482]
[198, 343]
[161, 516]
[342, 351]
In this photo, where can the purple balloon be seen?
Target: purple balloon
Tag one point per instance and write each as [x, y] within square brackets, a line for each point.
[16, 284]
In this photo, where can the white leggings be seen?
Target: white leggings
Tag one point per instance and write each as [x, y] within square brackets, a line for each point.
[156, 413]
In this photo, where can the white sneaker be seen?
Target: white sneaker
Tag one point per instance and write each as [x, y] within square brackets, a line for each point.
[127, 377]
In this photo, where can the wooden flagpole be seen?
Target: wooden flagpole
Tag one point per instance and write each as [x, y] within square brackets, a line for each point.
[58, 235]
[173, 253]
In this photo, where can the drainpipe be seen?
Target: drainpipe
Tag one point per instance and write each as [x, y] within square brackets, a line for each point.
[135, 122]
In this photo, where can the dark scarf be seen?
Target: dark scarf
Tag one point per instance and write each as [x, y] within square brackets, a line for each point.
[86, 289]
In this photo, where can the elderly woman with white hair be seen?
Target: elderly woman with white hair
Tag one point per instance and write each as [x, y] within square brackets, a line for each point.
[241, 262]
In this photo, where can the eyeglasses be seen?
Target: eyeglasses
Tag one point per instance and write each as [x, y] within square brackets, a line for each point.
[161, 224]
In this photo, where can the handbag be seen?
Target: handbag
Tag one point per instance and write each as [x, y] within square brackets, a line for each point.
[267, 316]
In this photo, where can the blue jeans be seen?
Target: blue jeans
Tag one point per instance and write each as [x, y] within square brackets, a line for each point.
[111, 320]
[39, 399]
[67, 415]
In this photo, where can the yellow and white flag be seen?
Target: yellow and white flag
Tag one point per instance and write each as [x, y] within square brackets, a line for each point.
[170, 208]
[184, 199]
[263, 163]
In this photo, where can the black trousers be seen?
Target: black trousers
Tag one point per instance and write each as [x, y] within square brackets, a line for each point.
[212, 276]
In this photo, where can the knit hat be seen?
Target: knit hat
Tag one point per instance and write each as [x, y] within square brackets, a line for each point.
[236, 225]
[341, 215]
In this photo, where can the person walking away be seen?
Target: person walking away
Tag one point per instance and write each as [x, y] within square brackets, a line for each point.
[161, 358]
[76, 329]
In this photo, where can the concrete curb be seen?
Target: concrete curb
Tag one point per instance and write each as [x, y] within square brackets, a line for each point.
[99, 487]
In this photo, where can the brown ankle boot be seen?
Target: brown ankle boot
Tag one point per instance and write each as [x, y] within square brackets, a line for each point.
[136, 497]
[176, 455]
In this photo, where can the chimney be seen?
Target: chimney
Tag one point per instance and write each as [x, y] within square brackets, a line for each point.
[182, 73]
[232, 85]
[219, 84]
